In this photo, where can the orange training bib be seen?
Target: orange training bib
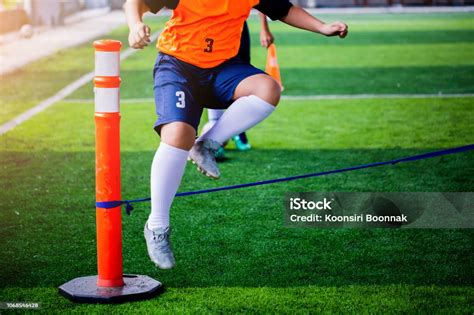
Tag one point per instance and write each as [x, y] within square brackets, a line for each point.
[205, 33]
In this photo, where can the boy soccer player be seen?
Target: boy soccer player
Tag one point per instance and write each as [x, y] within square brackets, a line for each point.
[195, 66]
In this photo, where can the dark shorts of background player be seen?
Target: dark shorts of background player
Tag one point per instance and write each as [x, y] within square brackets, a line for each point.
[183, 90]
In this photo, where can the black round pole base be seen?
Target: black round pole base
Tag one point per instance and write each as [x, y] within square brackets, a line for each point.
[85, 290]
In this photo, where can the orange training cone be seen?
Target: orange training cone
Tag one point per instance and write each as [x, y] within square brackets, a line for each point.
[272, 67]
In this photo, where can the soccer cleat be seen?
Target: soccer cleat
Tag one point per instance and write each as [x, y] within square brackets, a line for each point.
[159, 247]
[240, 145]
[203, 155]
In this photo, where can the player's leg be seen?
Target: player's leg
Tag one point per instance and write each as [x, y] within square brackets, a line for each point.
[241, 141]
[177, 122]
[255, 99]
[254, 96]
[260, 85]
[213, 116]
[167, 168]
[166, 172]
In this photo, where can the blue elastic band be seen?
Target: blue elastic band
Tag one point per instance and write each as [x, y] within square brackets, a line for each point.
[129, 207]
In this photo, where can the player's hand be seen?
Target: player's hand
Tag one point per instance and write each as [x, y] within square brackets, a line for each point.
[266, 38]
[139, 36]
[335, 29]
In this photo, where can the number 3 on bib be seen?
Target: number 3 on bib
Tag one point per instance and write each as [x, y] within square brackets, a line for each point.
[181, 99]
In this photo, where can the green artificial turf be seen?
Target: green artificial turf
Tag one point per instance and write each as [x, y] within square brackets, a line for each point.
[233, 252]
[263, 300]
[230, 241]
[41, 79]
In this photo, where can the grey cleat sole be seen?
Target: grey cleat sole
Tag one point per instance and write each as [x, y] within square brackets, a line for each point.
[202, 154]
[202, 170]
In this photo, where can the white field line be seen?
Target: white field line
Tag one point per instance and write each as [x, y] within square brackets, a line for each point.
[393, 9]
[307, 97]
[365, 10]
[372, 96]
[62, 94]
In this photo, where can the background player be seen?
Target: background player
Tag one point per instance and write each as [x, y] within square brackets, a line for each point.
[266, 39]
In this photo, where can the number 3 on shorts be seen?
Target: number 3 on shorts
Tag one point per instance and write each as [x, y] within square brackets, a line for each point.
[181, 100]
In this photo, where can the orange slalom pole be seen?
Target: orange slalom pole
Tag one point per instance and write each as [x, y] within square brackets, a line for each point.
[107, 128]
[110, 285]
[272, 67]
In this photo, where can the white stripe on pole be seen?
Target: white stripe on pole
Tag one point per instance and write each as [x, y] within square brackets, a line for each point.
[107, 100]
[107, 63]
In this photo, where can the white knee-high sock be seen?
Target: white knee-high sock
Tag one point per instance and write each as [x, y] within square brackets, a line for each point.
[167, 170]
[214, 114]
[242, 115]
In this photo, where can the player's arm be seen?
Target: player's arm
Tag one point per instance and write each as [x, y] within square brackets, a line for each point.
[295, 16]
[139, 35]
[266, 37]
[299, 18]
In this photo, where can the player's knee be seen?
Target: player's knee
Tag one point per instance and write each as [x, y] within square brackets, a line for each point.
[269, 90]
[179, 135]
[260, 85]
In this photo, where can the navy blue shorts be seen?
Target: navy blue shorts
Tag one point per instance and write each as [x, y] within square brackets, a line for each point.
[183, 90]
